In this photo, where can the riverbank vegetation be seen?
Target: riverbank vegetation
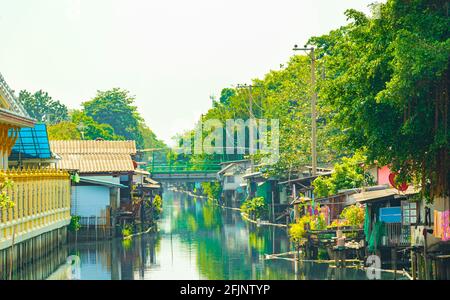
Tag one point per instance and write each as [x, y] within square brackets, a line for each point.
[211, 190]
[298, 231]
[75, 224]
[353, 216]
[256, 208]
[348, 174]
[127, 231]
[386, 85]
[157, 208]
[380, 101]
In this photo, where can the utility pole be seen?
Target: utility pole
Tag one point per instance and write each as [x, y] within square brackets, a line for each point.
[313, 107]
[251, 116]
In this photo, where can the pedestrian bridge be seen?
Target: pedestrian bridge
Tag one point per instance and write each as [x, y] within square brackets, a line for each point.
[185, 172]
[166, 166]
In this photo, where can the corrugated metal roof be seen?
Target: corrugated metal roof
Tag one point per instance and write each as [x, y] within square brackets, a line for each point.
[95, 156]
[96, 163]
[93, 147]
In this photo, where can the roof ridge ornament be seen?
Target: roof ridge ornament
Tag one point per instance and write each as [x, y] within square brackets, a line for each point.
[9, 95]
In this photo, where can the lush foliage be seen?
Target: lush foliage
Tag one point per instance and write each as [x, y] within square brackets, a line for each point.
[65, 130]
[157, 207]
[127, 230]
[115, 107]
[348, 174]
[42, 107]
[255, 207]
[353, 215]
[90, 129]
[298, 230]
[74, 223]
[5, 184]
[283, 95]
[387, 88]
[111, 115]
[211, 189]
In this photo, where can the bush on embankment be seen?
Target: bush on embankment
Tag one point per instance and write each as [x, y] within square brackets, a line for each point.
[255, 208]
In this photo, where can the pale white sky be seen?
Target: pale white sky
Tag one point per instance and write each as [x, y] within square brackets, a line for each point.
[171, 54]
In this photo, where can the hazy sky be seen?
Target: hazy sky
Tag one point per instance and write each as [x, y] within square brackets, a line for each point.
[173, 55]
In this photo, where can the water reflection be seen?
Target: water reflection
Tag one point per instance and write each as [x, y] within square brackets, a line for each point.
[197, 240]
[41, 268]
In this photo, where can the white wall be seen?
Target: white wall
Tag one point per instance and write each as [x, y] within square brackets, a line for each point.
[227, 186]
[89, 201]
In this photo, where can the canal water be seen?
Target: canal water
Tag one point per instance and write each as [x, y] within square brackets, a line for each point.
[195, 240]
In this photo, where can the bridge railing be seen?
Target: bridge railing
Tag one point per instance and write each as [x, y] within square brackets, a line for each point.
[41, 200]
[184, 168]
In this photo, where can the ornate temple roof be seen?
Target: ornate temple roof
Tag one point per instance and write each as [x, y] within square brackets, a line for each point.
[11, 110]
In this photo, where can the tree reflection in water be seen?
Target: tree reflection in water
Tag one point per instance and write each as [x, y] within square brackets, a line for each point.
[196, 240]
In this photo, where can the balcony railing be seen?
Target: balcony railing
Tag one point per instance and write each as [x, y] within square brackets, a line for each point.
[41, 200]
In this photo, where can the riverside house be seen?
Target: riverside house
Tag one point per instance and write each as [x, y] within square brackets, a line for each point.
[37, 221]
[231, 178]
[103, 172]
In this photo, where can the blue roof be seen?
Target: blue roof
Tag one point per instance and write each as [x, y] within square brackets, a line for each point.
[32, 143]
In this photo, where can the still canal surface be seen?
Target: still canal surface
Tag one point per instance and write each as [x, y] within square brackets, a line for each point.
[196, 240]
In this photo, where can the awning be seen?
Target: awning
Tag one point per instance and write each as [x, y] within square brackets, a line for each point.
[103, 183]
[251, 175]
[235, 161]
[151, 186]
[151, 181]
[303, 179]
[381, 194]
[300, 200]
[225, 169]
[141, 172]
[32, 143]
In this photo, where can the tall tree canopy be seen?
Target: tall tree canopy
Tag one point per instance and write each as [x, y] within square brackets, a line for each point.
[43, 108]
[284, 95]
[90, 129]
[111, 115]
[64, 131]
[115, 107]
[387, 84]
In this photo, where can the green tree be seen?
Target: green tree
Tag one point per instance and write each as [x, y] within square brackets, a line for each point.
[225, 95]
[283, 95]
[115, 107]
[387, 83]
[63, 131]
[43, 108]
[150, 140]
[348, 174]
[92, 129]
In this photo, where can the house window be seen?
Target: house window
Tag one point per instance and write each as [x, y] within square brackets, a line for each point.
[230, 179]
[409, 213]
